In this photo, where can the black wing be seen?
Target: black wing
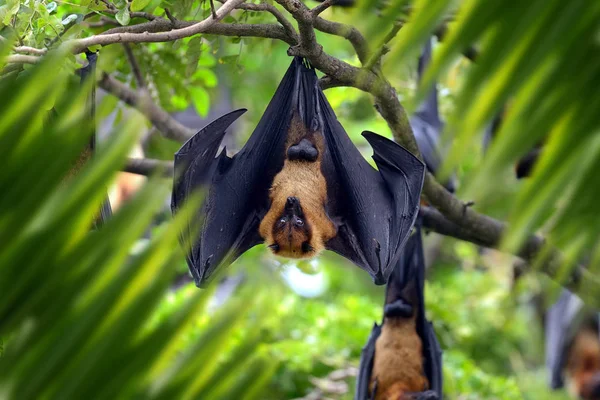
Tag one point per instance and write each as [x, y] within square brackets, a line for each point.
[85, 72]
[236, 189]
[376, 209]
[426, 123]
[365, 367]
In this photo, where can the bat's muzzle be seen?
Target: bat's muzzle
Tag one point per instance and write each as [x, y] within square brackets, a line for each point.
[292, 207]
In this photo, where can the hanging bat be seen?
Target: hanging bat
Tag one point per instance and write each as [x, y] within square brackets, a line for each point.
[85, 73]
[573, 347]
[402, 357]
[299, 185]
[427, 125]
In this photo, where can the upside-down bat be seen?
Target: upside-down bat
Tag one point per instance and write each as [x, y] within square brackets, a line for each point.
[573, 347]
[299, 184]
[426, 123]
[89, 72]
[402, 358]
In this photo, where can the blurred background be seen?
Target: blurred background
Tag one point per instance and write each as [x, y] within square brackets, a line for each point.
[112, 313]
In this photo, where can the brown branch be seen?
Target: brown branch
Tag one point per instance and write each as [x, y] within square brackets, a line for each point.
[80, 45]
[270, 31]
[141, 100]
[289, 28]
[135, 67]
[350, 33]
[322, 7]
[149, 167]
[22, 59]
[29, 50]
[375, 58]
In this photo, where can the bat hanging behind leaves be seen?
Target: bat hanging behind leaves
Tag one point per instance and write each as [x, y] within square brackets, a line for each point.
[299, 185]
[402, 359]
[85, 73]
[573, 347]
[427, 125]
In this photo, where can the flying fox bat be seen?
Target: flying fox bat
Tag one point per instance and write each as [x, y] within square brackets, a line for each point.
[426, 123]
[299, 185]
[573, 347]
[402, 357]
[85, 73]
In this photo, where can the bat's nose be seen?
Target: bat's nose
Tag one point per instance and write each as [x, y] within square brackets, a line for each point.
[292, 201]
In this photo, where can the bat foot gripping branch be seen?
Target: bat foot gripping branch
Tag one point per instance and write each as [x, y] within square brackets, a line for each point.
[303, 151]
[398, 309]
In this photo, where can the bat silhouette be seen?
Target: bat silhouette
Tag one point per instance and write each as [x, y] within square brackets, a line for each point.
[299, 184]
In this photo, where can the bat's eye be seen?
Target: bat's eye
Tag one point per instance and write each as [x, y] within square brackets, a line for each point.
[283, 221]
[299, 222]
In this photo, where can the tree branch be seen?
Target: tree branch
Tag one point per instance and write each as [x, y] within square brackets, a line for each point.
[270, 31]
[350, 33]
[322, 7]
[149, 167]
[135, 67]
[22, 59]
[166, 124]
[383, 48]
[80, 45]
[287, 26]
[29, 50]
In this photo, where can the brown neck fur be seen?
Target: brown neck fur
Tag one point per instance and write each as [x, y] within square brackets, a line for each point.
[398, 364]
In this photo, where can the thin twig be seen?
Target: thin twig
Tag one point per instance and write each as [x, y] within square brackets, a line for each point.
[30, 50]
[135, 67]
[212, 9]
[149, 167]
[22, 59]
[289, 28]
[80, 45]
[134, 14]
[166, 124]
[383, 48]
[348, 32]
[322, 7]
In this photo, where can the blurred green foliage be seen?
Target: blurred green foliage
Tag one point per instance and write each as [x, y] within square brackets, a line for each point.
[84, 315]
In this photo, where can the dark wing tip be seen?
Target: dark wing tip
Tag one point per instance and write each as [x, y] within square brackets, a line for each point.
[385, 147]
[211, 133]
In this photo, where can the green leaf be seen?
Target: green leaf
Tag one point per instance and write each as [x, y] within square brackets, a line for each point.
[8, 10]
[201, 100]
[138, 5]
[123, 16]
[51, 7]
[206, 76]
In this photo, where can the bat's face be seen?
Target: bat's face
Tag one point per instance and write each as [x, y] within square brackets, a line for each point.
[292, 233]
[583, 366]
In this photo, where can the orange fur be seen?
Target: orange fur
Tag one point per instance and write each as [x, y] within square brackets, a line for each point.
[398, 364]
[127, 184]
[583, 365]
[305, 181]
